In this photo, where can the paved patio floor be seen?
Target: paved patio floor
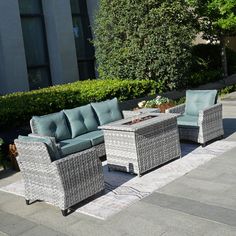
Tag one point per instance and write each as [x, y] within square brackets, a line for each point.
[202, 202]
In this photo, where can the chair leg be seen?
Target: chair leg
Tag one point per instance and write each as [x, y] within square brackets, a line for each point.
[64, 212]
[27, 202]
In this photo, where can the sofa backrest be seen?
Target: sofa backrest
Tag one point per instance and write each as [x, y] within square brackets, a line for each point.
[71, 123]
[81, 120]
[107, 111]
[52, 125]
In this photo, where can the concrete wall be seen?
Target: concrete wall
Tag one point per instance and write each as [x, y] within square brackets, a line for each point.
[13, 70]
[60, 39]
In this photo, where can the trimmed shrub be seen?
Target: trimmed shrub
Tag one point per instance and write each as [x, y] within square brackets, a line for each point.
[145, 40]
[18, 108]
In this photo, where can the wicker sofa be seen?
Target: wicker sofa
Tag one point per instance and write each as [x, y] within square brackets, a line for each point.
[200, 117]
[60, 159]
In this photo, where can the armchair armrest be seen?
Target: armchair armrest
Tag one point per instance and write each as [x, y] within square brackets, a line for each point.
[177, 109]
[211, 114]
[80, 167]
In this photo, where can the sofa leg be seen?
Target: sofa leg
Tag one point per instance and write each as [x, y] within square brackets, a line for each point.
[64, 212]
[27, 202]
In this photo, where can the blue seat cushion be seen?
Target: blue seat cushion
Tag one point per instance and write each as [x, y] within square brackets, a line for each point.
[50, 143]
[81, 120]
[107, 111]
[186, 120]
[74, 145]
[53, 125]
[95, 137]
[197, 100]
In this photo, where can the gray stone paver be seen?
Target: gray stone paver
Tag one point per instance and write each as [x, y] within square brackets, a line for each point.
[211, 212]
[14, 225]
[203, 202]
[41, 231]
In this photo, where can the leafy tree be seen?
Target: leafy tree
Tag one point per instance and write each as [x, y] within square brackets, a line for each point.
[145, 39]
[217, 21]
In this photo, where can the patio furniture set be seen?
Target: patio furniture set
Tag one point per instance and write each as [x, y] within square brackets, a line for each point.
[60, 161]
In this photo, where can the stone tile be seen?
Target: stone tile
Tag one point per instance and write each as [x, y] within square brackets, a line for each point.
[134, 225]
[41, 230]
[51, 217]
[209, 212]
[3, 234]
[14, 225]
[177, 221]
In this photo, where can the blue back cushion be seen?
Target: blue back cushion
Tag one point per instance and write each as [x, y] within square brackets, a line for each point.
[81, 120]
[53, 125]
[107, 111]
[197, 100]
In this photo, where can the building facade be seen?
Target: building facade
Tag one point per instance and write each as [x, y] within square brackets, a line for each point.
[45, 42]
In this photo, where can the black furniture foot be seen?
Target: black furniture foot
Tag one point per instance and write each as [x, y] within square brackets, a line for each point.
[27, 202]
[64, 212]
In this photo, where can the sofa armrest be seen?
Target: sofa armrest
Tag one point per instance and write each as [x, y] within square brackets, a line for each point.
[177, 109]
[211, 114]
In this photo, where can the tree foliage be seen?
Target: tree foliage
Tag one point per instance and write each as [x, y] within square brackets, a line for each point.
[144, 39]
[217, 20]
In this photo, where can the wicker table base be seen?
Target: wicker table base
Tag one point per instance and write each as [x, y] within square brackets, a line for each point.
[142, 146]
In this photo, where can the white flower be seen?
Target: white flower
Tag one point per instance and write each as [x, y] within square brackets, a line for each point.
[141, 104]
[158, 97]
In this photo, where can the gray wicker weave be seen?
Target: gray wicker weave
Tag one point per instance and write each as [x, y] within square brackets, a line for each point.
[63, 182]
[132, 113]
[210, 125]
[143, 146]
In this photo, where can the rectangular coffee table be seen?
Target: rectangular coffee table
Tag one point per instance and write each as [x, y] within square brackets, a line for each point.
[137, 147]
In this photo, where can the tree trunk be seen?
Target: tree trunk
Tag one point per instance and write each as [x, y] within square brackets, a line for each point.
[223, 58]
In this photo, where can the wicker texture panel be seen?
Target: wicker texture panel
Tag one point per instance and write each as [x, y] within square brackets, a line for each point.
[177, 109]
[143, 149]
[62, 183]
[210, 124]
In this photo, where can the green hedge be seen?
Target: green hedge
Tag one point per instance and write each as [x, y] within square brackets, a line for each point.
[16, 109]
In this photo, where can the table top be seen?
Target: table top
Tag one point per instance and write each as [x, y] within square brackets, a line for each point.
[123, 126]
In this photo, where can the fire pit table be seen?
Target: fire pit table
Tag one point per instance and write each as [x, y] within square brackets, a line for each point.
[141, 143]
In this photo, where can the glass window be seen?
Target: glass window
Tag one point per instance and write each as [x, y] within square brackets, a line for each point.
[75, 7]
[34, 41]
[30, 7]
[39, 78]
[86, 69]
[83, 37]
[32, 22]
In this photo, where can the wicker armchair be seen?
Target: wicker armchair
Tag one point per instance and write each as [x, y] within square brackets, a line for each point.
[209, 124]
[63, 182]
